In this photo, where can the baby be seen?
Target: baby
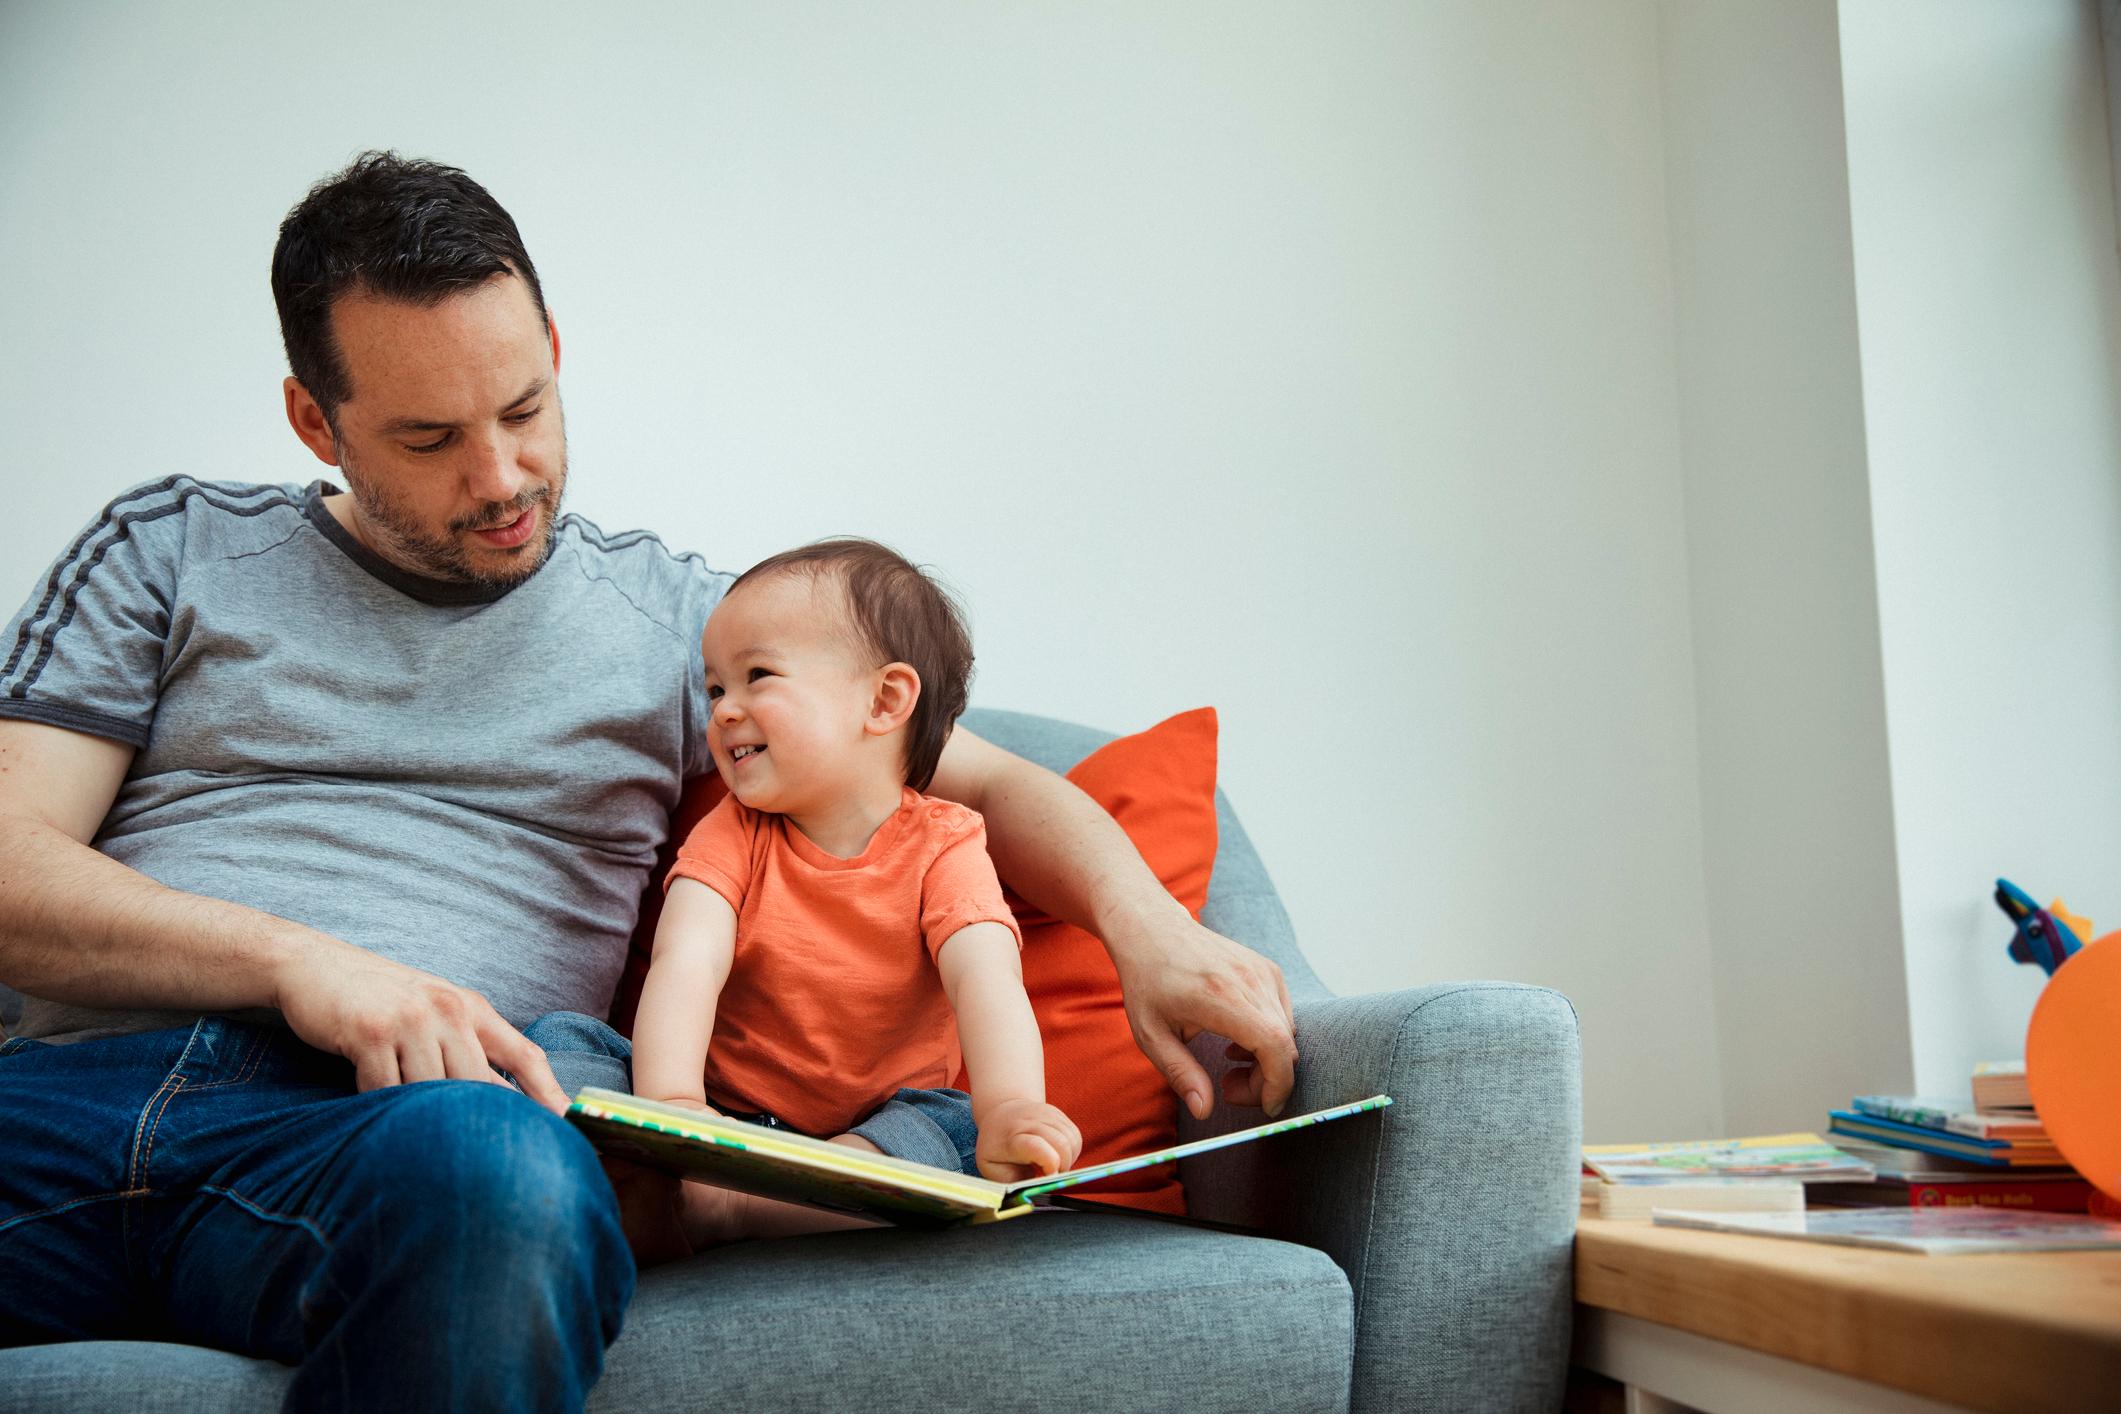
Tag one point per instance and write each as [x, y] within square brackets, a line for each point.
[825, 923]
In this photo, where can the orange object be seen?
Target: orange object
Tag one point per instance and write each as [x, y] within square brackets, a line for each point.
[2072, 1065]
[833, 1000]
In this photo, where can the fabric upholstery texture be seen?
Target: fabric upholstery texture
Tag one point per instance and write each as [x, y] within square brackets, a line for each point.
[1058, 1311]
[137, 1376]
[1454, 1214]
[1017, 1316]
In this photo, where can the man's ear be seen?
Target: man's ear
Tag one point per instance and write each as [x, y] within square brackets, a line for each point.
[309, 422]
[552, 331]
[898, 688]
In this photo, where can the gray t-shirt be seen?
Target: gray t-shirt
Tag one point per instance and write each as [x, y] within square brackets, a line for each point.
[472, 781]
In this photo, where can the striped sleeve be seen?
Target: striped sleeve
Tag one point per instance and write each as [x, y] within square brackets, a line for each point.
[85, 650]
[676, 590]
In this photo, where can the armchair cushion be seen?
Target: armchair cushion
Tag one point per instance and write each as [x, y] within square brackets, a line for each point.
[1056, 1311]
[1453, 1212]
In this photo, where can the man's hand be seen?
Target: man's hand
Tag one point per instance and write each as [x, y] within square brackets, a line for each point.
[1021, 1139]
[1179, 979]
[398, 1024]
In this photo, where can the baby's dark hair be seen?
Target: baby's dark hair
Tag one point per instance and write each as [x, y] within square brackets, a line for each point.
[897, 614]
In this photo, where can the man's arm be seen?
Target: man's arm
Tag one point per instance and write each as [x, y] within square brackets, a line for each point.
[1062, 852]
[77, 926]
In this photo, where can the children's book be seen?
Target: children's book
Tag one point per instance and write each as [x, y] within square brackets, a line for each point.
[1800, 1156]
[775, 1163]
[1952, 1116]
[2001, 1152]
[1932, 1230]
[2025, 1191]
[1920, 1166]
[1636, 1198]
[2001, 1085]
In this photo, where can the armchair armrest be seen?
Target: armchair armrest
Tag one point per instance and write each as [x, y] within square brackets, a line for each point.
[1452, 1212]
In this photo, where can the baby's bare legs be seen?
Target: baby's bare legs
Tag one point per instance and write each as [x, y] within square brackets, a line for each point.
[713, 1216]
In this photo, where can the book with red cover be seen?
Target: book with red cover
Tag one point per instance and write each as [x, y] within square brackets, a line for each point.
[2059, 1195]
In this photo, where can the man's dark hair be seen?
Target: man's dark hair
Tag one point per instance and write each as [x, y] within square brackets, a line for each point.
[896, 614]
[397, 227]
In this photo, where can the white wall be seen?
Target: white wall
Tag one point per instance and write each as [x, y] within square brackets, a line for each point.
[1797, 809]
[1315, 362]
[1990, 301]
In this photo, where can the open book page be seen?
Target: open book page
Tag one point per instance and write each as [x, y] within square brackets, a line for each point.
[1032, 1188]
[778, 1164]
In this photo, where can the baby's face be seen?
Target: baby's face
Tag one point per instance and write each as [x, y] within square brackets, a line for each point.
[789, 695]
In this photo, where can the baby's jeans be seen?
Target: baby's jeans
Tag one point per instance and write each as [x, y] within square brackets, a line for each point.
[925, 1126]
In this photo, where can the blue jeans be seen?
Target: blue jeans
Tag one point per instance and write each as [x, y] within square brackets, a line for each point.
[926, 1126]
[445, 1245]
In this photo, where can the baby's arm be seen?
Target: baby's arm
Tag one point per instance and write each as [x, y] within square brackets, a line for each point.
[1020, 1135]
[695, 942]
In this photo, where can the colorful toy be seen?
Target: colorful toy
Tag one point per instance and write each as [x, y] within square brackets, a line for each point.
[2045, 935]
[2072, 1061]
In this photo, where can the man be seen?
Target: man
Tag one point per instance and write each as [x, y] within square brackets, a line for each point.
[305, 796]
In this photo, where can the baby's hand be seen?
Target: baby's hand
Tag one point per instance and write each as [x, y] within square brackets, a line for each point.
[1021, 1139]
[687, 1102]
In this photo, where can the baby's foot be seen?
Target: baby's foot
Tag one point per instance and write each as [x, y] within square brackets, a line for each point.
[650, 1211]
[714, 1216]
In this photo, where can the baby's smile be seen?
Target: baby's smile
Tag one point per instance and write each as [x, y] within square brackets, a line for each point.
[741, 752]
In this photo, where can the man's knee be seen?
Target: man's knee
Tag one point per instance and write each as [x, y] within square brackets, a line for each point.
[482, 1171]
[467, 1209]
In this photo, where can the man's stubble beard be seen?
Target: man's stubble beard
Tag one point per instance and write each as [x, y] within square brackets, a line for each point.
[443, 557]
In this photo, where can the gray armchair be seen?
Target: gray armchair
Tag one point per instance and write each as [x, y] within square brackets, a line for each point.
[1417, 1259]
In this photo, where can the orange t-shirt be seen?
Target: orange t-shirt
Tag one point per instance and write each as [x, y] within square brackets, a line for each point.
[833, 1000]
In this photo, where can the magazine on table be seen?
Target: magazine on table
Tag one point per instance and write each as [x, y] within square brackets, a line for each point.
[1937, 1231]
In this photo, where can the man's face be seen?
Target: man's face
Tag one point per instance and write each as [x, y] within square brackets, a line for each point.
[452, 441]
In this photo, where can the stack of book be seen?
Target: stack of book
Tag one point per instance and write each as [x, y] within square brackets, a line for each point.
[2000, 1085]
[1766, 1174]
[1955, 1153]
[2002, 1138]
[1914, 1179]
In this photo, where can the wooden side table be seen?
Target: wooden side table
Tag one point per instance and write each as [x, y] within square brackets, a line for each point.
[1731, 1324]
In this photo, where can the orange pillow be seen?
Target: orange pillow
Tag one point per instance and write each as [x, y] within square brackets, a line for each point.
[1160, 786]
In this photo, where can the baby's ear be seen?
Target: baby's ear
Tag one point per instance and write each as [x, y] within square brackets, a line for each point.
[897, 689]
